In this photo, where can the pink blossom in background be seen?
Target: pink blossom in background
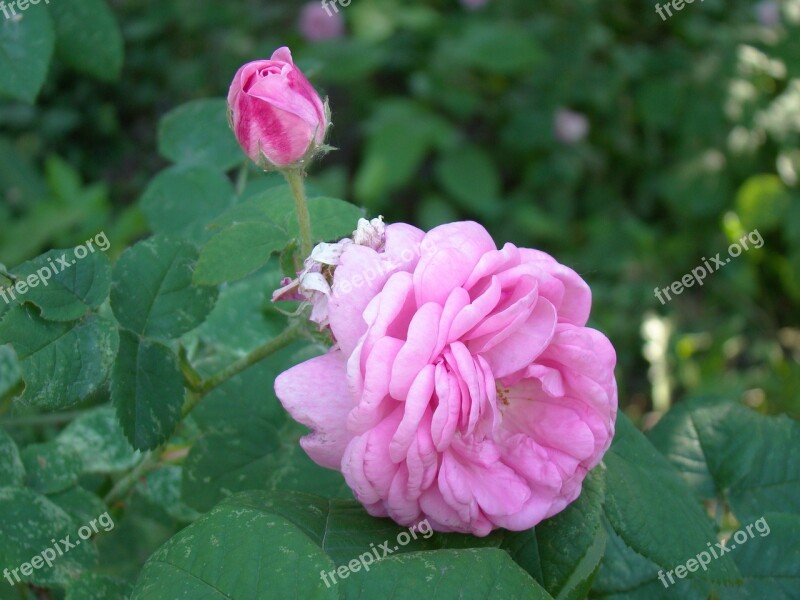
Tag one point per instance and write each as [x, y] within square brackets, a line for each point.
[464, 386]
[317, 25]
[570, 126]
[276, 114]
[474, 4]
[768, 13]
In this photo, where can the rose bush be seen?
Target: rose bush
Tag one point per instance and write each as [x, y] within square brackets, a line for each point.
[464, 386]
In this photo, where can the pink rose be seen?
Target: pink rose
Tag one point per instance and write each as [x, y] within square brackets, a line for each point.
[474, 4]
[463, 387]
[316, 24]
[277, 116]
[570, 126]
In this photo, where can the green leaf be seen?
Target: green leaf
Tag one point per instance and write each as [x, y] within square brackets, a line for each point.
[152, 292]
[88, 37]
[770, 565]
[91, 586]
[564, 552]
[12, 471]
[331, 218]
[724, 448]
[223, 463]
[162, 487]
[263, 224]
[762, 201]
[9, 366]
[470, 177]
[98, 439]
[645, 497]
[62, 363]
[146, 390]
[28, 523]
[80, 504]
[627, 575]
[65, 293]
[240, 550]
[181, 201]
[26, 46]
[50, 468]
[237, 326]
[400, 136]
[237, 251]
[443, 574]
[197, 133]
[493, 46]
[252, 455]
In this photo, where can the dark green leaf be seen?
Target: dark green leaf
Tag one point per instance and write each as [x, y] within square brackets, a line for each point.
[198, 134]
[80, 504]
[147, 390]
[88, 37]
[724, 448]
[645, 497]
[152, 292]
[62, 363]
[240, 550]
[237, 251]
[66, 293]
[182, 201]
[91, 586]
[441, 575]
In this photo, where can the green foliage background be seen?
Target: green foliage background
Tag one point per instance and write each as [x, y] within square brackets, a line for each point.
[440, 113]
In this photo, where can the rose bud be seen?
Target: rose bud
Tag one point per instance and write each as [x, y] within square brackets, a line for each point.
[277, 116]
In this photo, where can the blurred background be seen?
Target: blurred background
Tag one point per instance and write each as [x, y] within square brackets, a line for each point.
[628, 146]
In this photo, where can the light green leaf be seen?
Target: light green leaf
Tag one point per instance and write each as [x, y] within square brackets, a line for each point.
[12, 471]
[62, 363]
[162, 487]
[197, 133]
[146, 390]
[28, 523]
[99, 441]
[26, 46]
[88, 38]
[50, 468]
[91, 586]
[152, 292]
[470, 177]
